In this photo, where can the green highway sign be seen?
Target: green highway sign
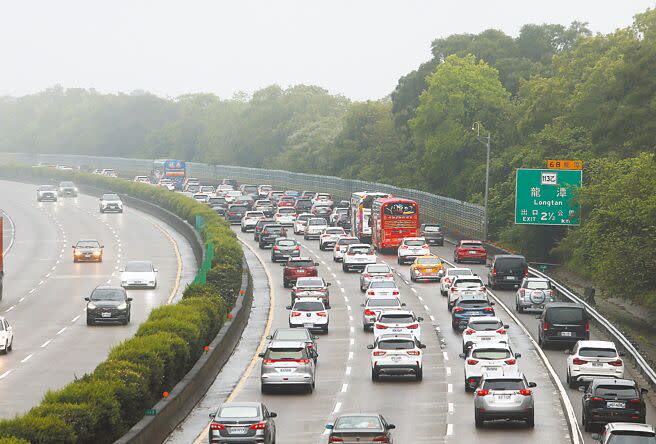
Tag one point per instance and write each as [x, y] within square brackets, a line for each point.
[544, 197]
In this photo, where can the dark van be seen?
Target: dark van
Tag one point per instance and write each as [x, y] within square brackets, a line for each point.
[507, 270]
[563, 322]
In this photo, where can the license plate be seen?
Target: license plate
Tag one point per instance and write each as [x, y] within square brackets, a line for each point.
[310, 325]
[285, 370]
[237, 430]
[106, 315]
[565, 333]
[597, 364]
[396, 359]
[615, 405]
[397, 330]
[472, 252]
[502, 397]
[485, 338]
[510, 278]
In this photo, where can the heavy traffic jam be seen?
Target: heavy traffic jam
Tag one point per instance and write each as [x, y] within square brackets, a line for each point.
[372, 226]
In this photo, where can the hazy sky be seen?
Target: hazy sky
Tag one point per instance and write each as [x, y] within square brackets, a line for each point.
[358, 48]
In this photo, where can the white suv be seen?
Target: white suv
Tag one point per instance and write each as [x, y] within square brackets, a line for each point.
[301, 220]
[313, 228]
[491, 360]
[358, 256]
[593, 359]
[310, 313]
[285, 216]
[397, 322]
[450, 276]
[374, 305]
[329, 237]
[484, 330]
[250, 219]
[396, 355]
[464, 285]
[342, 245]
[411, 248]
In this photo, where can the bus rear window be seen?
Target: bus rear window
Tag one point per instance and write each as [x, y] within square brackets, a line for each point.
[400, 209]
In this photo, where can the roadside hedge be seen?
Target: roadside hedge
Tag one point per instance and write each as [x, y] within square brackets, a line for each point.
[101, 406]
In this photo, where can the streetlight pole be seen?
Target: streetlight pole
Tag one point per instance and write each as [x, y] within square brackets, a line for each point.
[485, 140]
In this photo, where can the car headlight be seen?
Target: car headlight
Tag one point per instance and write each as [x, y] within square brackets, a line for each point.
[78, 253]
[96, 253]
[91, 306]
[123, 306]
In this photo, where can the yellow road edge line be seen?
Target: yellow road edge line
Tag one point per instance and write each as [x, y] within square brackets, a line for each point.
[247, 373]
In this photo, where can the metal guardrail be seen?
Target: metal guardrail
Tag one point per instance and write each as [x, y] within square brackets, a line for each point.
[620, 340]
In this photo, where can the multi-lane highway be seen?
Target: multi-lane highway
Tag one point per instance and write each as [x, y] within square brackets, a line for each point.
[44, 290]
[434, 410]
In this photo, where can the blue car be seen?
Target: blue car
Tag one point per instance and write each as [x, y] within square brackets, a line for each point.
[468, 306]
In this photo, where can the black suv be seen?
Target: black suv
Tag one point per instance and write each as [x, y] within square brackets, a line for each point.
[269, 234]
[507, 270]
[259, 226]
[612, 400]
[108, 304]
[564, 323]
[235, 212]
[432, 233]
[303, 205]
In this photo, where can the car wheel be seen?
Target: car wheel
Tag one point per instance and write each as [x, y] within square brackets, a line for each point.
[455, 260]
[11, 344]
[90, 321]
[6, 349]
[310, 388]
[364, 328]
[344, 268]
[520, 309]
[419, 376]
[412, 278]
[572, 383]
[454, 326]
[264, 389]
[398, 260]
[479, 420]
[325, 330]
[242, 230]
[586, 425]
[374, 375]
[530, 421]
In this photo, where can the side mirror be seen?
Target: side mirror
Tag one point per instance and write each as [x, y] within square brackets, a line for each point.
[211, 415]
[506, 326]
[72, 246]
[518, 355]
[370, 347]
[122, 270]
[289, 307]
[361, 305]
[567, 352]
[283, 264]
[644, 391]
[270, 337]
[538, 316]
[330, 426]
[596, 437]
[422, 345]
[102, 246]
[532, 384]
[420, 319]
[622, 354]
[261, 355]
[316, 264]
[315, 337]
[273, 415]
[462, 355]
[492, 303]
[390, 426]
[581, 389]
[86, 299]
[129, 299]
[328, 284]
[402, 304]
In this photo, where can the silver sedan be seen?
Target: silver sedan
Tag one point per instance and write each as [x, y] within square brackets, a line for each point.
[504, 397]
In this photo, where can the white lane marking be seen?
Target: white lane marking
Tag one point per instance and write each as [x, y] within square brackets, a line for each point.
[414, 290]
[350, 356]
[47, 275]
[323, 262]
[338, 406]
[352, 329]
[310, 250]
[449, 388]
[5, 374]
[348, 307]
[426, 307]
[109, 281]
[40, 282]
[449, 429]
[345, 299]
[75, 318]
[330, 269]
[32, 291]
[432, 318]
[334, 275]
[352, 341]
[446, 356]
[53, 268]
[27, 358]
[448, 371]
[451, 407]
[344, 388]
[421, 299]
[21, 299]
[338, 283]
[45, 344]
[342, 290]
[350, 318]
[61, 331]
[348, 371]
[10, 309]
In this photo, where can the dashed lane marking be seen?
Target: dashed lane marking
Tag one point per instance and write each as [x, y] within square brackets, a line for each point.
[27, 358]
[45, 344]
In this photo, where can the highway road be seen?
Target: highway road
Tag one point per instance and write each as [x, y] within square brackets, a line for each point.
[45, 290]
[434, 410]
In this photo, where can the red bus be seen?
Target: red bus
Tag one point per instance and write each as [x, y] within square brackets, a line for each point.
[392, 219]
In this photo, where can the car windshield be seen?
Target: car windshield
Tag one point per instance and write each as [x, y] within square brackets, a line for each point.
[284, 353]
[238, 412]
[632, 437]
[396, 318]
[348, 241]
[309, 306]
[428, 261]
[597, 352]
[314, 282]
[307, 263]
[396, 344]
[107, 294]
[379, 268]
[66, 184]
[537, 285]
[47, 188]
[491, 354]
[503, 384]
[454, 272]
[110, 197]
[137, 267]
[334, 231]
[468, 283]
[414, 242]
[472, 301]
[298, 334]
[432, 229]
[616, 391]
[485, 325]
[360, 250]
[382, 284]
[238, 208]
[317, 222]
[387, 302]
[564, 315]
[357, 422]
[88, 244]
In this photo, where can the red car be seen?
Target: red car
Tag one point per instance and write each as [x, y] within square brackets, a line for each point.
[286, 201]
[469, 250]
[297, 267]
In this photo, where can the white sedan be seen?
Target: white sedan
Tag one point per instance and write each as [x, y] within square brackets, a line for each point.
[358, 256]
[300, 221]
[6, 336]
[383, 287]
[139, 274]
[450, 276]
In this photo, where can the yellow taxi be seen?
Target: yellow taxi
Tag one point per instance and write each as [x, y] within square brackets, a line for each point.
[427, 268]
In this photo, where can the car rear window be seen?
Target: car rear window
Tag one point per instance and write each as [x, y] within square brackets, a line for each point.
[597, 352]
[334, 231]
[250, 189]
[396, 344]
[238, 412]
[309, 282]
[309, 306]
[565, 315]
[358, 422]
[284, 353]
[307, 263]
[503, 384]
[360, 250]
[414, 242]
[397, 318]
[317, 222]
[286, 243]
[299, 334]
[632, 437]
[254, 213]
[491, 354]
[382, 284]
[514, 264]
[138, 267]
[217, 200]
[428, 261]
[472, 301]
[619, 391]
[348, 241]
[238, 208]
[388, 302]
[286, 210]
[378, 268]
[537, 285]
[485, 325]
[471, 245]
[432, 229]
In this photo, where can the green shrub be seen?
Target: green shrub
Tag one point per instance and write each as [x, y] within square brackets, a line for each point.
[81, 416]
[13, 441]
[131, 388]
[211, 307]
[227, 279]
[179, 326]
[38, 429]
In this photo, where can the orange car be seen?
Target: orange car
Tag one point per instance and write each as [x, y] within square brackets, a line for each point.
[429, 268]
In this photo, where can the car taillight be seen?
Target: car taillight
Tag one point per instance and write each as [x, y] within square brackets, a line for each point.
[494, 272]
[578, 361]
[425, 246]
[275, 247]
[336, 247]
[366, 275]
[510, 361]
[295, 314]
[597, 398]
[395, 293]
[501, 331]
[454, 289]
[277, 215]
[446, 280]
[525, 273]
[617, 363]
[458, 310]
[522, 291]
[303, 361]
[482, 392]
[472, 361]
[483, 289]
[297, 248]
[231, 213]
[488, 309]
[381, 326]
[380, 439]
[587, 327]
[370, 292]
[389, 275]
[351, 253]
[368, 312]
[545, 326]
[635, 401]
[525, 392]
[379, 353]
[335, 439]
[403, 247]
[258, 426]
[413, 326]
[217, 426]
[310, 345]
[413, 352]
[321, 314]
[469, 331]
